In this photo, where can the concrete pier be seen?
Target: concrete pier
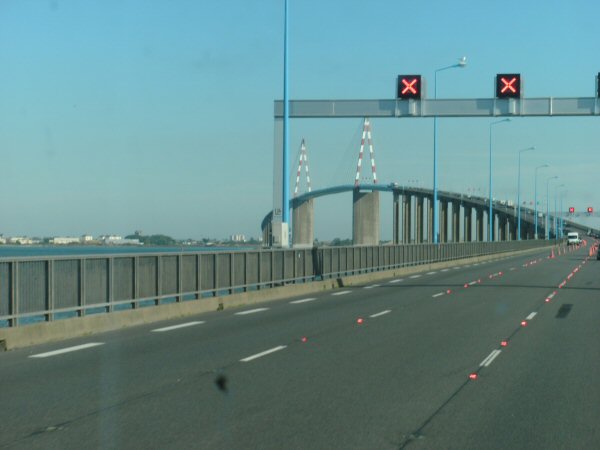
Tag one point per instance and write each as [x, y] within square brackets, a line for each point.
[366, 222]
[303, 224]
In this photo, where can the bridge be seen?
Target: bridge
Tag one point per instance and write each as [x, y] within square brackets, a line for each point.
[462, 217]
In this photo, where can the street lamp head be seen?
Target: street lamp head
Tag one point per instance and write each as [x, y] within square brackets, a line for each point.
[462, 62]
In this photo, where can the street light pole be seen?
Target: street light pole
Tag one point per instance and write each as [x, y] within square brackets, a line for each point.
[461, 63]
[490, 215]
[561, 221]
[555, 177]
[556, 188]
[535, 200]
[519, 193]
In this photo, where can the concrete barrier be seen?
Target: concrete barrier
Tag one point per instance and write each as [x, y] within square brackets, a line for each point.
[23, 336]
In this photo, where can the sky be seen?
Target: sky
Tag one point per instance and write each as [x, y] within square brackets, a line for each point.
[123, 115]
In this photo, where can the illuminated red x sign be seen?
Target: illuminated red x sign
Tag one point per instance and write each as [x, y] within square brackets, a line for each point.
[409, 86]
[508, 85]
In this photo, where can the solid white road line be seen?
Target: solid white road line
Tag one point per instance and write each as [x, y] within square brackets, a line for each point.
[488, 360]
[251, 311]
[472, 283]
[513, 268]
[372, 286]
[444, 270]
[414, 276]
[431, 273]
[175, 327]
[397, 280]
[387, 311]
[341, 293]
[530, 316]
[261, 354]
[456, 268]
[67, 350]
[439, 294]
[302, 300]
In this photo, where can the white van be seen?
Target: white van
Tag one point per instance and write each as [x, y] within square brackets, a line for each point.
[573, 238]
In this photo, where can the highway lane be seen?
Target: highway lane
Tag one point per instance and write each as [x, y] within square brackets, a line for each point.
[351, 385]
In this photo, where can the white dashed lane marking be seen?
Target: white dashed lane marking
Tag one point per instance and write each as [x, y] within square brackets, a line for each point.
[302, 300]
[251, 311]
[261, 354]
[341, 293]
[382, 313]
[488, 360]
[67, 350]
[176, 327]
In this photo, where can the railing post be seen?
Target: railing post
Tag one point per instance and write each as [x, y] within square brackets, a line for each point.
[82, 291]
[179, 296]
[199, 275]
[49, 290]
[159, 264]
[14, 293]
[136, 282]
[110, 279]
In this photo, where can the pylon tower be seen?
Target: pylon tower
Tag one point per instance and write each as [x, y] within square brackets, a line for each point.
[366, 134]
[302, 161]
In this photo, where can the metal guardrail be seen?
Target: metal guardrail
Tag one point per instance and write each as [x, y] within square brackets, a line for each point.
[49, 288]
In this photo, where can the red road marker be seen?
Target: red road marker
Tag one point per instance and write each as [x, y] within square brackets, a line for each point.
[449, 291]
[473, 376]
[304, 339]
[504, 343]
[466, 285]
[359, 320]
[523, 323]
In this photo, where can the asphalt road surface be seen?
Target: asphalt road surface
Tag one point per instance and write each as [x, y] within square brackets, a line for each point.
[493, 356]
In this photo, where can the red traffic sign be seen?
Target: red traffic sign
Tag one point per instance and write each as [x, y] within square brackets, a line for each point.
[409, 86]
[508, 85]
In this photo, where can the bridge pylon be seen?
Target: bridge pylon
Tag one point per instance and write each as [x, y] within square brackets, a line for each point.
[303, 215]
[366, 133]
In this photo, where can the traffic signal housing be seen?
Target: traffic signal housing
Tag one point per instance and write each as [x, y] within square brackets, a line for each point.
[590, 210]
[508, 85]
[409, 87]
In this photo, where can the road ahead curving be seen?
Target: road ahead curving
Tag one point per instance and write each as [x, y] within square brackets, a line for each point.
[494, 355]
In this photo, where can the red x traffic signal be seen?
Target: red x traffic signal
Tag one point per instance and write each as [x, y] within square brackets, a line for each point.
[409, 86]
[508, 85]
[590, 210]
[571, 210]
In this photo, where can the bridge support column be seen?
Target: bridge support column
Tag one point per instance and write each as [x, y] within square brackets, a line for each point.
[396, 218]
[443, 222]
[365, 224]
[406, 218]
[512, 229]
[501, 233]
[419, 220]
[479, 224]
[303, 224]
[430, 219]
[467, 213]
[455, 221]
